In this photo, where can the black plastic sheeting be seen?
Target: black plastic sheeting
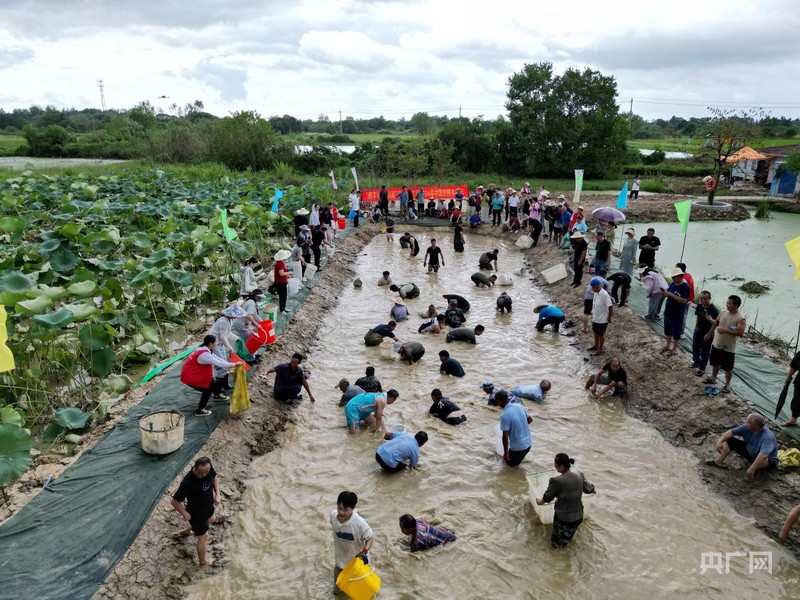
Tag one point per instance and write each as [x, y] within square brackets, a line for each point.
[755, 378]
[65, 542]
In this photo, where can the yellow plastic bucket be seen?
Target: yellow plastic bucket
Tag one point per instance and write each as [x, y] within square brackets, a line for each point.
[358, 581]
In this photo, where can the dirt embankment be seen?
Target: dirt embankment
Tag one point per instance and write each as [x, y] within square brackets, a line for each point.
[665, 392]
[159, 564]
[661, 207]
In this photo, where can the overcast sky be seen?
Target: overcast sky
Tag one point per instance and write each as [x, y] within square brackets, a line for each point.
[371, 57]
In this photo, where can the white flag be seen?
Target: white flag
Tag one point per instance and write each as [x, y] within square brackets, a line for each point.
[578, 186]
[333, 181]
[355, 176]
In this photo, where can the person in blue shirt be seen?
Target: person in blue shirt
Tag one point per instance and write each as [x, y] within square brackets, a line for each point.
[400, 448]
[515, 425]
[758, 445]
[677, 296]
[548, 315]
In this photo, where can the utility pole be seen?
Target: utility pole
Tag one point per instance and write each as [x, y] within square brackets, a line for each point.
[459, 112]
[340, 121]
[102, 94]
[630, 115]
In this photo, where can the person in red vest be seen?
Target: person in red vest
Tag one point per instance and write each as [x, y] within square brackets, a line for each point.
[198, 373]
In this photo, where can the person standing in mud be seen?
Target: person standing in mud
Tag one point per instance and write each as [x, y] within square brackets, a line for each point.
[383, 201]
[730, 326]
[432, 257]
[566, 490]
[412, 242]
[794, 367]
[199, 490]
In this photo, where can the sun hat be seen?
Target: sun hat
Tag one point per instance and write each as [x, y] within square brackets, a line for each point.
[302, 211]
[595, 281]
[544, 193]
[487, 385]
[676, 272]
[399, 301]
[305, 228]
[539, 308]
[577, 235]
[343, 382]
[562, 197]
[234, 312]
[282, 255]
[631, 230]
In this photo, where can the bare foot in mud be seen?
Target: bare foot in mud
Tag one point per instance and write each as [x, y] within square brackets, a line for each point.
[208, 562]
[186, 532]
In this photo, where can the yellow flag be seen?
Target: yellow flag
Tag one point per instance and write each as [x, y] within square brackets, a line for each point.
[6, 358]
[793, 248]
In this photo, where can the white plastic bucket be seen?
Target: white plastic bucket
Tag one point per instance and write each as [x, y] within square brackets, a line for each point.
[387, 349]
[311, 270]
[498, 440]
[161, 432]
[537, 486]
[294, 286]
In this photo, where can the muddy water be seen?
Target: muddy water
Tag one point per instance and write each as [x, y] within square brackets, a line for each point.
[649, 523]
[719, 251]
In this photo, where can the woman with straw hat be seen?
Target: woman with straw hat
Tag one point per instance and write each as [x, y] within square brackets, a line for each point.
[281, 278]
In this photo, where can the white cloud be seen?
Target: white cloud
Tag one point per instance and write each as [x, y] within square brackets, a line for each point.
[395, 58]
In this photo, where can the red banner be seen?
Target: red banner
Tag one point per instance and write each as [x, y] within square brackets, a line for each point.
[432, 191]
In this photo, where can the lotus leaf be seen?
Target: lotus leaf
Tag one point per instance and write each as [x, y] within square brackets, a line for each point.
[56, 320]
[199, 232]
[84, 289]
[140, 240]
[159, 259]
[150, 334]
[51, 292]
[13, 225]
[63, 260]
[103, 362]
[172, 308]
[15, 453]
[70, 230]
[143, 277]
[72, 418]
[94, 337]
[11, 298]
[34, 307]
[104, 246]
[147, 348]
[15, 282]
[12, 416]
[181, 279]
[81, 312]
[119, 383]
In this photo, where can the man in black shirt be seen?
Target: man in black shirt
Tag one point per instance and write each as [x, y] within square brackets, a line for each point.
[488, 260]
[412, 242]
[621, 287]
[317, 241]
[446, 409]
[602, 253]
[648, 244]
[432, 256]
[450, 366]
[462, 302]
[383, 201]
[200, 490]
[612, 376]
[369, 383]
[289, 379]
[706, 314]
[580, 249]
[454, 316]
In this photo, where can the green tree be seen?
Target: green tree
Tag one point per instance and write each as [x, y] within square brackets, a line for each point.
[727, 131]
[567, 121]
[423, 123]
[144, 114]
[473, 146]
[50, 142]
[245, 141]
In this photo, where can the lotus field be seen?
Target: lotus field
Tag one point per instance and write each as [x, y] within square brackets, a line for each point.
[96, 271]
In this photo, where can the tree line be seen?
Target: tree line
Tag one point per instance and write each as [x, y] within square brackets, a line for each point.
[554, 123]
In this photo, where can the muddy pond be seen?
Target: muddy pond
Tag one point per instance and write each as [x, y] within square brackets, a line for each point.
[648, 526]
[724, 255]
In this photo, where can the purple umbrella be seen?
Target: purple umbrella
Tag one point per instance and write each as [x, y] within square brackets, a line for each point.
[607, 213]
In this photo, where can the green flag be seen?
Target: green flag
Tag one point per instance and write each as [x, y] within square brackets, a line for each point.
[683, 209]
[229, 233]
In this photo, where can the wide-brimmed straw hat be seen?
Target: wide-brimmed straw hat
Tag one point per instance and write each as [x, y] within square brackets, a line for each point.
[631, 230]
[576, 235]
[282, 255]
[539, 308]
[399, 301]
[677, 272]
[302, 211]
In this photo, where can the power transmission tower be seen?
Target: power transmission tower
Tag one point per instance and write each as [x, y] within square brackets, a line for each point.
[102, 94]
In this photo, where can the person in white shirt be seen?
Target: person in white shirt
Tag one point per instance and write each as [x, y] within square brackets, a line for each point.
[352, 535]
[355, 205]
[634, 195]
[602, 311]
